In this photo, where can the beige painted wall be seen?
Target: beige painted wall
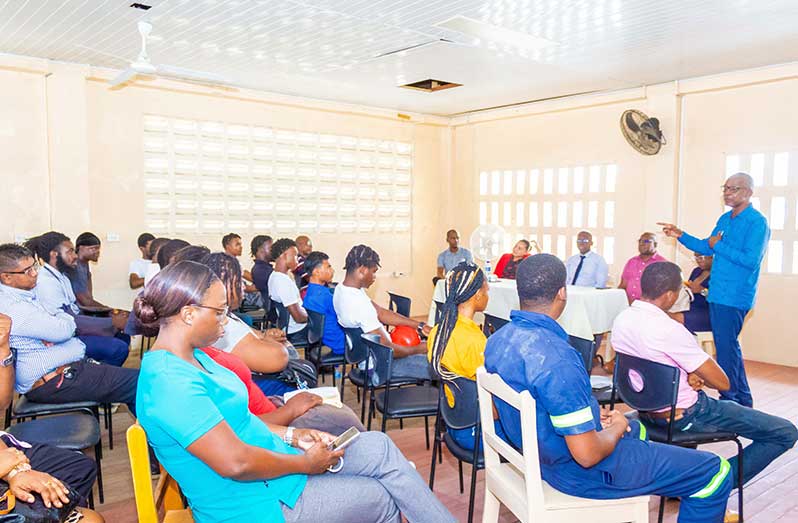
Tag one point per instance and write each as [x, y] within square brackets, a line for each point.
[72, 157]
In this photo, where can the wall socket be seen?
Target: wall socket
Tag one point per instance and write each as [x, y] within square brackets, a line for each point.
[397, 274]
[112, 237]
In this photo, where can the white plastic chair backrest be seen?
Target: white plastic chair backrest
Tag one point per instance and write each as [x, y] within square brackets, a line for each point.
[488, 386]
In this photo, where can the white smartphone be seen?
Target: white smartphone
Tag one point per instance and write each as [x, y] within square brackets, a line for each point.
[345, 439]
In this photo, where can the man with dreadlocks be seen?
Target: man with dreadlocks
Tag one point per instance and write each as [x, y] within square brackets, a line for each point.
[355, 309]
[103, 336]
[583, 452]
[456, 344]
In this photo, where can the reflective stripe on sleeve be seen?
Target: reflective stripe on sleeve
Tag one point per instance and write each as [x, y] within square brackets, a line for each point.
[572, 419]
[715, 482]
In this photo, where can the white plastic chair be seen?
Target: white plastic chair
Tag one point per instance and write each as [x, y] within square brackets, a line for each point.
[517, 483]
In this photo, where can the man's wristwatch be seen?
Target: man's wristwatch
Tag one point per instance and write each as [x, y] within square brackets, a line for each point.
[420, 328]
[288, 437]
[8, 360]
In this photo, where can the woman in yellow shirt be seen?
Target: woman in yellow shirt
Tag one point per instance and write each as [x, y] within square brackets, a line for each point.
[456, 345]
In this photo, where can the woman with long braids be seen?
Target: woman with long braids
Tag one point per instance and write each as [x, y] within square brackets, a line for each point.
[456, 345]
[231, 465]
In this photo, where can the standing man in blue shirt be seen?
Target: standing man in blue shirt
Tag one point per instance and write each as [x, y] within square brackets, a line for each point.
[588, 268]
[583, 452]
[319, 299]
[738, 243]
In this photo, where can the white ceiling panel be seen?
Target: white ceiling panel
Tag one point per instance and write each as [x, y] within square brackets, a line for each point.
[350, 50]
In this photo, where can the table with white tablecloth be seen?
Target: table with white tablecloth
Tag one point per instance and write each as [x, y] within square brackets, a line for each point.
[587, 312]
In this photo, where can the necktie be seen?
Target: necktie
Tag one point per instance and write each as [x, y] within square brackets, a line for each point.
[578, 269]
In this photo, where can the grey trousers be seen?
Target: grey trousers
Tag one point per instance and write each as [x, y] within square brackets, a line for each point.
[329, 419]
[376, 485]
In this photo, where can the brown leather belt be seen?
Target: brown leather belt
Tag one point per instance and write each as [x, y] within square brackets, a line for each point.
[50, 375]
[665, 414]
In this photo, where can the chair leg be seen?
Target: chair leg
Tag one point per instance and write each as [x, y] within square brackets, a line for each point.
[739, 479]
[460, 469]
[426, 429]
[490, 510]
[661, 509]
[473, 493]
[371, 410]
[98, 457]
[343, 381]
[402, 426]
[363, 406]
[110, 425]
[384, 419]
[90, 500]
[435, 449]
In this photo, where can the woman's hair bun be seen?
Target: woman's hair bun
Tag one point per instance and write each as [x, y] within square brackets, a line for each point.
[146, 314]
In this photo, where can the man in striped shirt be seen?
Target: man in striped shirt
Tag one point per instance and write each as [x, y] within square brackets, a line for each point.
[51, 364]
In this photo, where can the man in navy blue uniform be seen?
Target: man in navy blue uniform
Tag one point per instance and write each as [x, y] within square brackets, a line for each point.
[738, 244]
[583, 452]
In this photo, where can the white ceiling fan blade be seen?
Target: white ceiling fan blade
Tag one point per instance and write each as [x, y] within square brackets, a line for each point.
[179, 73]
[123, 77]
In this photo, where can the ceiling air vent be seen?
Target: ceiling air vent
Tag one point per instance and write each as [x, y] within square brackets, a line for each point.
[143, 7]
[430, 86]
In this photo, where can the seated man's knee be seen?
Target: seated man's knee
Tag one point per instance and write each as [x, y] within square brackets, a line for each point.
[787, 433]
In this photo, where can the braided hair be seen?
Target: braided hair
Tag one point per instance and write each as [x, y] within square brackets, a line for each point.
[227, 269]
[42, 245]
[361, 256]
[462, 283]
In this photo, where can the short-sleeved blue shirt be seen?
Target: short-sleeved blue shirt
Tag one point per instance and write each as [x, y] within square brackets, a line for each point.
[177, 404]
[80, 278]
[532, 353]
[319, 299]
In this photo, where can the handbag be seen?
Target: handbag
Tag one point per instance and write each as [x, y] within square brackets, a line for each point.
[36, 512]
[298, 373]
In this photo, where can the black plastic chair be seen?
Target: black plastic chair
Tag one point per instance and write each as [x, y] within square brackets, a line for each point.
[464, 415]
[587, 349]
[660, 391]
[282, 321]
[315, 351]
[492, 324]
[399, 304]
[355, 351]
[438, 311]
[400, 399]
[75, 432]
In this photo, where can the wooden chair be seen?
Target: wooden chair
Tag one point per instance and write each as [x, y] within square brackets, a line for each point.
[167, 493]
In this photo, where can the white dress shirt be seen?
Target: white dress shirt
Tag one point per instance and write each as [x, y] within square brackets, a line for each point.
[594, 270]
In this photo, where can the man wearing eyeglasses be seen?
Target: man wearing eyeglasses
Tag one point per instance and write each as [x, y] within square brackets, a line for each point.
[633, 270]
[588, 268]
[738, 243]
[51, 363]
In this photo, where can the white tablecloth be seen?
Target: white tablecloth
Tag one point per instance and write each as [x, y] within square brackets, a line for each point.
[587, 312]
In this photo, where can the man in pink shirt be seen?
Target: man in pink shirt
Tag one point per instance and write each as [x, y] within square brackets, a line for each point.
[646, 331]
[630, 277]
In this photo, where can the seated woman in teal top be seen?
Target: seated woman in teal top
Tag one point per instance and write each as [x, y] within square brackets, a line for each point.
[230, 465]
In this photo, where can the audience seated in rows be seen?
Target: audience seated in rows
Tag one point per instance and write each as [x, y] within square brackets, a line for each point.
[51, 365]
[508, 263]
[226, 460]
[456, 345]
[453, 255]
[583, 452]
[633, 270]
[646, 331]
[102, 336]
[355, 309]
[304, 246]
[138, 267]
[319, 298]
[588, 268]
[154, 267]
[283, 289]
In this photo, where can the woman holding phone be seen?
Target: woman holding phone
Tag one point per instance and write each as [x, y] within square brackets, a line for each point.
[231, 465]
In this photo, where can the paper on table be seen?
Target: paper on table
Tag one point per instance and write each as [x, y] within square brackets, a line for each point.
[330, 395]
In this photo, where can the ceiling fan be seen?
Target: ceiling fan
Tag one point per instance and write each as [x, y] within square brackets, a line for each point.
[142, 66]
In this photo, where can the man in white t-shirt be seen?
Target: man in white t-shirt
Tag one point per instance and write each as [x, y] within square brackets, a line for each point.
[355, 309]
[646, 331]
[283, 289]
[139, 266]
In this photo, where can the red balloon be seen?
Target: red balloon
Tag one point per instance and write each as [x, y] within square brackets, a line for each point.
[404, 335]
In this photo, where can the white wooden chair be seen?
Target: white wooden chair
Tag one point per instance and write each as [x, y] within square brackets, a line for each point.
[517, 484]
[707, 342]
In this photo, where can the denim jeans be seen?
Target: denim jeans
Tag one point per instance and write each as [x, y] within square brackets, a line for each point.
[376, 485]
[770, 435]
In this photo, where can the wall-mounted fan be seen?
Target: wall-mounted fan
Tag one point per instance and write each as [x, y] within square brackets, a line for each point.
[642, 132]
[143, 67]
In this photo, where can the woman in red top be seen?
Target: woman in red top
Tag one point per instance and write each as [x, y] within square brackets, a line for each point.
[508, 263]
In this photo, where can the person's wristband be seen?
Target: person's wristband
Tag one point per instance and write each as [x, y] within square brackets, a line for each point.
[288, 437]
[22, 467]
[420, 328]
